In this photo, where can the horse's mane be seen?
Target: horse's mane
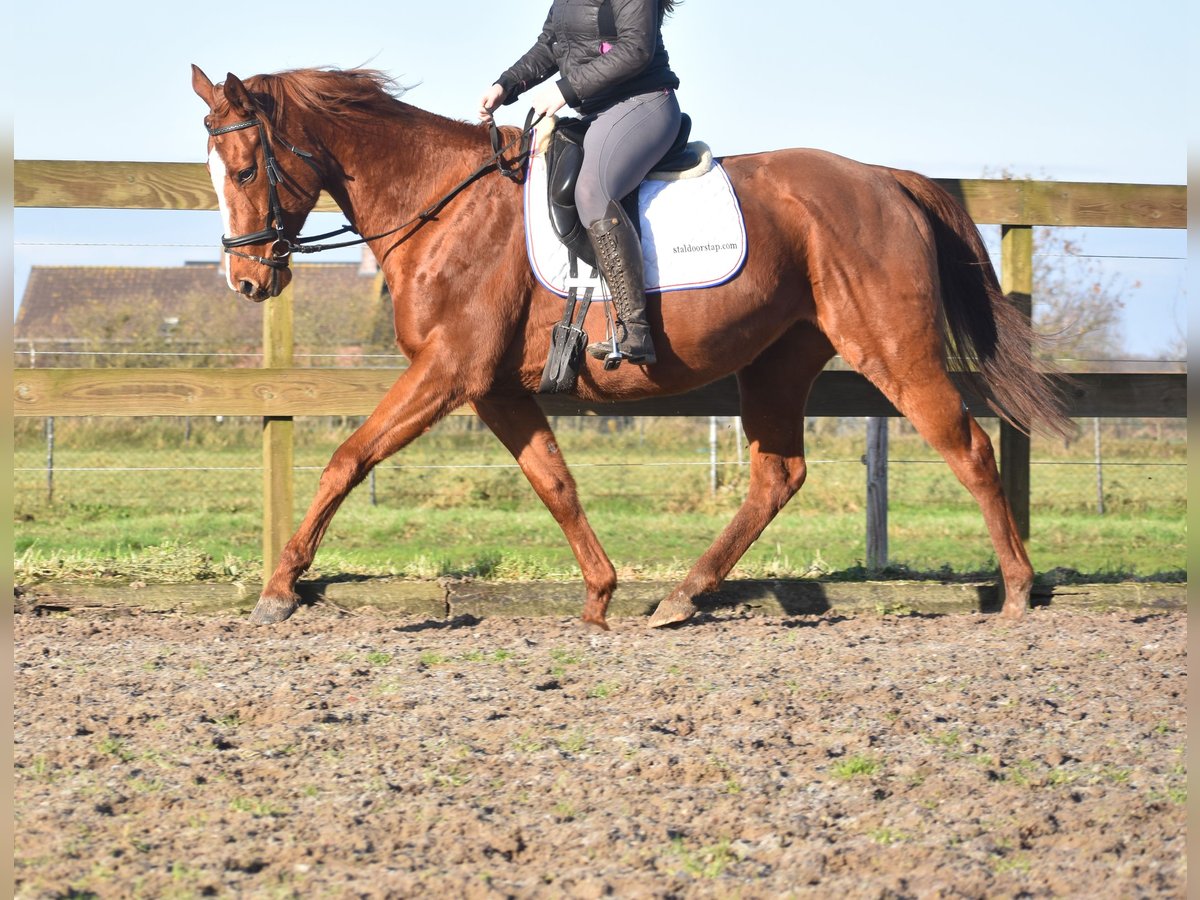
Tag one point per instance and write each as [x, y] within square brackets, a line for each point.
[348, 95]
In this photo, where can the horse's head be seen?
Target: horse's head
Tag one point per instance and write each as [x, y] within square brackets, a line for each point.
[265, 186]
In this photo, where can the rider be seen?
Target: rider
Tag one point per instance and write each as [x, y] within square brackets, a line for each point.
[612, 65]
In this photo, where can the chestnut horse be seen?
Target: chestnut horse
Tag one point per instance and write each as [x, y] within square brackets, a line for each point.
[879, 265]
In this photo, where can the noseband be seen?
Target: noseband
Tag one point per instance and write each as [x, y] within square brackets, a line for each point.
[282, 246]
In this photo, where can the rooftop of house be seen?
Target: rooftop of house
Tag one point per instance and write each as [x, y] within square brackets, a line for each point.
[336, 304]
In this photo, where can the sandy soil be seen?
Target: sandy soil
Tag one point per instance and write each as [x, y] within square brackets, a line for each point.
[362, 756]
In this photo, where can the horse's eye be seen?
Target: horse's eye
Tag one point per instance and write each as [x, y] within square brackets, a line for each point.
[247, 175]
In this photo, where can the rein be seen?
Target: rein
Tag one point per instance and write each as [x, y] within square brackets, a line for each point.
[282, 246]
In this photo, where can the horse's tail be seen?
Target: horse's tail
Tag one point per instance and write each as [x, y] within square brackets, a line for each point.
[984, 331]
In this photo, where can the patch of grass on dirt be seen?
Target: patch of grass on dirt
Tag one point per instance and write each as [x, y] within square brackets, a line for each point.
[946, 739]
[562, 659]
[1021, 771]
[451, 777]
[574, 742]
[1002, 863]
[115, 746]
[564, 811]
[1061, 777]
[704, 862]
[482, 656]
[854, 766]
[39, 767]
[527, 742]
[1114, 774]
[257, 807]
[602, 690]
[146, 786]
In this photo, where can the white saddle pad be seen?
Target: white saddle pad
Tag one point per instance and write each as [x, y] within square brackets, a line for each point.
[693, 235]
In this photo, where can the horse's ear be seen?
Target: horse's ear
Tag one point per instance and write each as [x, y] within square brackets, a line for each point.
[237, 95]
[203, 86]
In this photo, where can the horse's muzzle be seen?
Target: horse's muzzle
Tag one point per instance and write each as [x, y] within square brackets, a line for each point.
[258, 291]
[253, 291]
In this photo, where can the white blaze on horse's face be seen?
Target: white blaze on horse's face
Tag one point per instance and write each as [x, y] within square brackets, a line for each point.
[216, 169]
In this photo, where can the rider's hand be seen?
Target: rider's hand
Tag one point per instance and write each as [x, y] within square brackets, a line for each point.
[548, 99]
[489, 101]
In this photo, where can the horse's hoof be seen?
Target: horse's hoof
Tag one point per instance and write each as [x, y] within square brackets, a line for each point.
[1014, 613]
[671, 611]
[270, 610]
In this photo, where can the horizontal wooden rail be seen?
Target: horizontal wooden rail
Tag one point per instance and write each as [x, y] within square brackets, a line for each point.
[1071, 203]
[151, 185]
[320, 392]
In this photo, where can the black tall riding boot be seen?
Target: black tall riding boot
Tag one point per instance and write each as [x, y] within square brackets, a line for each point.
[619, 256]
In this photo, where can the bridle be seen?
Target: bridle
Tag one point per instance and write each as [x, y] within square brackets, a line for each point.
[283, 246]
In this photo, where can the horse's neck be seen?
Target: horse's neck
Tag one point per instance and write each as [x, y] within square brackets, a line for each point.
[398, 170]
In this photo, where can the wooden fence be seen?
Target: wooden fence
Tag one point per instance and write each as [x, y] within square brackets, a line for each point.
[280, 391]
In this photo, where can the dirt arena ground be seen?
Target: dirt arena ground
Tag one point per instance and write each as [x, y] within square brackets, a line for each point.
[830, 756]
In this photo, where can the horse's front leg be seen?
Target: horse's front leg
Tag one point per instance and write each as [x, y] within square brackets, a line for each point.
[521, 426]
[419, 398]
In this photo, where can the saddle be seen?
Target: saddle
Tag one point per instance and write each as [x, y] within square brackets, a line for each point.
[564, 159]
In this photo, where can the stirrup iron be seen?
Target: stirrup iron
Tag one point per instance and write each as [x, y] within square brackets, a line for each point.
[608, 350]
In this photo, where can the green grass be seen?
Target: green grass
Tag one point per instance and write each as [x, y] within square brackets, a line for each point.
[703, 862]
[645, 489]
[115, 746]
[856, 765]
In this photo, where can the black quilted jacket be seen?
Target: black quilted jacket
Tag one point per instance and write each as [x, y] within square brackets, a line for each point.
[604, 51]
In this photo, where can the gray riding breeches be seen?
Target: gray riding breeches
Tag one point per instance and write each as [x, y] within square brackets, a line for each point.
[621, 146]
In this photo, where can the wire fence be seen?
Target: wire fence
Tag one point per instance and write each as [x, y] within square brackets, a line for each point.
[194, 463]
[29, 354]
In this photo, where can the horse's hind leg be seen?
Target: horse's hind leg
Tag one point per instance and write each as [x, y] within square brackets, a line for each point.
[774, 389]
[934, 406]
[522, 427]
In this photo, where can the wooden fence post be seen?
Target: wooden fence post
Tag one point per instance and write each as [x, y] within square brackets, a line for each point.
[1016, 280]
[712, 455]
[50, 459]
[278, 490]
[877, 493]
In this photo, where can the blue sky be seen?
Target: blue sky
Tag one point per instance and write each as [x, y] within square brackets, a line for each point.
[1069, 90]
